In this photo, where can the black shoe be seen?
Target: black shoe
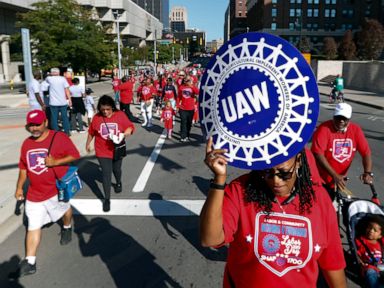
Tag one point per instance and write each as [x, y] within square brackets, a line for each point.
[25, 268]
[118, 188]
[106, 205]
[66, 236]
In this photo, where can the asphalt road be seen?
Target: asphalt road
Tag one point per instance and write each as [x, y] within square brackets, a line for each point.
[127, 250]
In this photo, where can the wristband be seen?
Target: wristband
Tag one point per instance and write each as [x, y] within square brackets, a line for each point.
[369, 173]
[213, 185]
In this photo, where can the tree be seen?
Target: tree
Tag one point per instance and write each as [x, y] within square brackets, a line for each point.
[330, 48]
[63, 33]
[347, 48]
[370, 40]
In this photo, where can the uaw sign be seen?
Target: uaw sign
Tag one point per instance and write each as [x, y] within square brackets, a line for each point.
[259, 100]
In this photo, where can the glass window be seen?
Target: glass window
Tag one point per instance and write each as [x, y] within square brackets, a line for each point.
[315, 12]
[326, 13]
[291, 26]
[274, 12]
[315, 1]
[333, 13]
[333, 27]
[310, 1]
[274, 1]
[315, 26]
[309, 12]
[350, 13]
[333, 1]
[309, 26]
[291, 12]
[273, 26]
[292, 1]
[298, 1]
[326, 26]
[327, 1]
[298, 12]
[343, 27]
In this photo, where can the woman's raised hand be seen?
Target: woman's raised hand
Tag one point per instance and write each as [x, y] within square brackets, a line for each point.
[215, 159]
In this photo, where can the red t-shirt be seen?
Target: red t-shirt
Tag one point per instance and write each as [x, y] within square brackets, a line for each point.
[187, 97]
[126, 92]
[339, 148]
[169, 92]
[115, 84]
[284, 249]
[167, 116]
[42, 180]
[364, 254]
[118, 123]
[147, 92]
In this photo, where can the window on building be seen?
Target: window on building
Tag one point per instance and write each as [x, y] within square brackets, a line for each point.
[298, 1]
[315, 1]
[309, 26]
[333, 1]
[274, 12]
[291, 12]
[326, 26]
[332, 27]
[292, 1]
[327, 1]
[298, 12]
[326, 13]
[310, 1]
[315, 26]
[351, 12]
[291, 26]
[274, 1]
[309, 12]
[273, 26]
[315, 12]
[333, 13]
[314, 39]
[240, 14]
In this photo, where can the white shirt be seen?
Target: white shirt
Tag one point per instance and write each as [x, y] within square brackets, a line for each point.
[76, 91]
[33, 87]
[57, 86]
[89, 102]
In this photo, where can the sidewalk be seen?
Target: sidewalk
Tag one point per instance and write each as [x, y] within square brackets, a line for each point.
[370, 99]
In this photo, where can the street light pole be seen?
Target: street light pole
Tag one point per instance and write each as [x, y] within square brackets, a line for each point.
[155, 52]
[173, 55]
[117, 16]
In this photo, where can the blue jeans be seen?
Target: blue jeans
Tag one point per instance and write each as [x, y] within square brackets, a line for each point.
[372, 278]
[55, 110]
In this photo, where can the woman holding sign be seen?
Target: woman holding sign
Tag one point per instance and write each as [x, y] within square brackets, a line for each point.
[280, 226]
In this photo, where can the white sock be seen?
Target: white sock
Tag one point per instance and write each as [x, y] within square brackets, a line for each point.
[67, 227]
[31, 259]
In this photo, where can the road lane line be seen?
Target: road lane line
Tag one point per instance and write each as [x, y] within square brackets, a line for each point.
[146, 172]
[138, 207]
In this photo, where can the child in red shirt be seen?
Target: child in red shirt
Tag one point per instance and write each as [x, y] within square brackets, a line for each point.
[370, 250]
[167, 118]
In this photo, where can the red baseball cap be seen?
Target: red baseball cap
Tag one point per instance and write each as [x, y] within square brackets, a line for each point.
[36, 117]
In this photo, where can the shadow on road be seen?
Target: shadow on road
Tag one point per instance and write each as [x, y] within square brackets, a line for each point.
[128, 262]
[187, 227]
[8, 276]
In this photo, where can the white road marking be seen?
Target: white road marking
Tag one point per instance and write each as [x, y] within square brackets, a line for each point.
[138, 207]
[144, 176]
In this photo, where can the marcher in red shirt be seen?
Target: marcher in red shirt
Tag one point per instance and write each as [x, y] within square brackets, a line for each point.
[108, 123]
[126, 97]
[116, 82]
[276, 221]
[334, 145]
[187, 97]
[42, 205]
[147, 92]
[167, 117]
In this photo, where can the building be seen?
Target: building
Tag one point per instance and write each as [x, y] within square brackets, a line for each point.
[237, 17]
[158, 8]
[179, 19]
[214, 45]
[315, 19]
[136, 25]
[193, 40]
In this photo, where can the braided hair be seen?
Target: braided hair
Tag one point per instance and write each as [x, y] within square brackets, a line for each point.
[258, 192]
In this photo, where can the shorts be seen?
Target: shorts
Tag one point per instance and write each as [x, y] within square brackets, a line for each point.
[90, 113]
[41, 213]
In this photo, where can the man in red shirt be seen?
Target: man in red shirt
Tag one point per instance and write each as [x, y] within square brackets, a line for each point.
[334, 146]
[42, 170]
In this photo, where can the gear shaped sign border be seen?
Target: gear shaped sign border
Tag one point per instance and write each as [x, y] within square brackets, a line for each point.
[297, 97]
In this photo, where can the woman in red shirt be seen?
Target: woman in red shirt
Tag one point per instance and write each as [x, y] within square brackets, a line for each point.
[108, 122]
[186, 99]
[147, 92]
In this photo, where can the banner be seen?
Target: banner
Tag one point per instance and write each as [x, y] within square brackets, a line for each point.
[259, 100]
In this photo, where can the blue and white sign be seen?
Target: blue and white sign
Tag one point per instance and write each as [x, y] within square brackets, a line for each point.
[259, 100]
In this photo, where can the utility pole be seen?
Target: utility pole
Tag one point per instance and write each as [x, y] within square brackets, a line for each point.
[117, 16]
[173, 55]
[155, 52]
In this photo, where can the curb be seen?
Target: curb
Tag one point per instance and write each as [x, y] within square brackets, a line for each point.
[358, 102]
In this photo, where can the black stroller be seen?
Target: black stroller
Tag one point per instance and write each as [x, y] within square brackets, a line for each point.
[353, 212]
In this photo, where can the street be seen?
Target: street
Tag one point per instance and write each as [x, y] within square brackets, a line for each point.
[150, 236]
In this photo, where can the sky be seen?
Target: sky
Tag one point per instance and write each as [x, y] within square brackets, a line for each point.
[206, 15]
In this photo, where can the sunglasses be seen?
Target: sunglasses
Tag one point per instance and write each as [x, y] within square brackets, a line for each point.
[283, 175]
[341, 118]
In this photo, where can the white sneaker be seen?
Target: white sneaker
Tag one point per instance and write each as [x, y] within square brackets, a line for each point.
[144, 124]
